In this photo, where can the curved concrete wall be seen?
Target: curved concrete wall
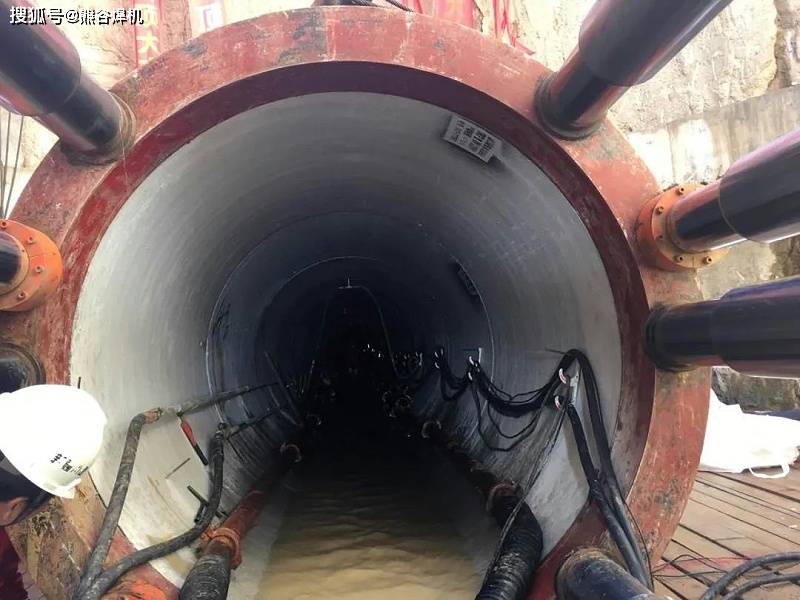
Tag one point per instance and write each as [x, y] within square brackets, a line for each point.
[236, 233]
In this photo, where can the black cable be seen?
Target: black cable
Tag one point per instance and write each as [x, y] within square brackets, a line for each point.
[609, 478]
[490, 410]
[611, 520]
[603, 484]
[720, 585]
[761, 582]
[527, 430]
[109, 576]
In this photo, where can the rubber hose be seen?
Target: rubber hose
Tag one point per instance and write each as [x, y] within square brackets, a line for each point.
[511, 574]
[719, 586]
[209, 579]
[108, 577]
[94, 564]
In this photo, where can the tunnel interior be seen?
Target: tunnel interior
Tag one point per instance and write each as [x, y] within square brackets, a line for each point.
[283, 243]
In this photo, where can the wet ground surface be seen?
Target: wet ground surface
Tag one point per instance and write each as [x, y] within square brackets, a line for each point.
[363, 522]
[362, 526]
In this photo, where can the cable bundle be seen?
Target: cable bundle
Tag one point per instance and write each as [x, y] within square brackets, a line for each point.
[781, 558]
[604, 488]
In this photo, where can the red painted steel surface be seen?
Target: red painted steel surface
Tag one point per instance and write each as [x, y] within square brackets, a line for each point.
[185, 91]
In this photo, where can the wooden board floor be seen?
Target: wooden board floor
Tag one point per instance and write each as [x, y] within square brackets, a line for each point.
[730, 518]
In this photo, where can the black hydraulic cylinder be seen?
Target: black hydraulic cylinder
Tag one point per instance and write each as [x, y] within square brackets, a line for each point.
[589, 574]
[754, 330]
[41, 77]
[757, 199]
[10, 258]
[18, 368]
[621, 43]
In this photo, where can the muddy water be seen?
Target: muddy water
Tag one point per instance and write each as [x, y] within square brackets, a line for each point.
[362, 525]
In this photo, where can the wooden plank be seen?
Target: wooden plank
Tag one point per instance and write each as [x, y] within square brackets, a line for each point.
[732, 533]
[785, 490]
[678, 578]
[663, 590]
[701, 546]
[761, 508]
[729, 519]
[751, 518]
[779, 503]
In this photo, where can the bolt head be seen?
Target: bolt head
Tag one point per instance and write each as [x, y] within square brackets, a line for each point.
[31, 240]
[38, 269]
[679, 258]
[22, 296]
[681, 190]
[659, 210]
[3, 224]
[708, 260]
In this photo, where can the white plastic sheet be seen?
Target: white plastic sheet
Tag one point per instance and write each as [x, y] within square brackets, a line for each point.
[736, 441]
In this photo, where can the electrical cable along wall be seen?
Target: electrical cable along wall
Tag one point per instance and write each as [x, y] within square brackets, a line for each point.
[558, 394]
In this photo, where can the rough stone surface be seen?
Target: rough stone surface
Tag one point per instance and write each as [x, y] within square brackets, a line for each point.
[756, 393]
[787, 44]
[732, 59]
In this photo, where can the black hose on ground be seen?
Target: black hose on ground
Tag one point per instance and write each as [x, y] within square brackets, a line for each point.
[718, 587]
[511, 574]
[100, 584]
[209, 578]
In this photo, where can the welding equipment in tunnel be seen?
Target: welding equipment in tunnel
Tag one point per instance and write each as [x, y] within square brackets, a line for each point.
[210, 576]
[511, 572]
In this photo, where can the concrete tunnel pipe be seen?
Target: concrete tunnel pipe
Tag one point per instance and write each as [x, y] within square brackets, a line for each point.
[258, 185]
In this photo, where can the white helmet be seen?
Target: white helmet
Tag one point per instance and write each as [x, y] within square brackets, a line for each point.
[51, 435]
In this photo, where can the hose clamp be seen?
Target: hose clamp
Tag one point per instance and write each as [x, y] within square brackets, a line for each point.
[232, 540]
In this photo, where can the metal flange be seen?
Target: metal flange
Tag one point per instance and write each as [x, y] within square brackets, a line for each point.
[655, 242]
[41, 272]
